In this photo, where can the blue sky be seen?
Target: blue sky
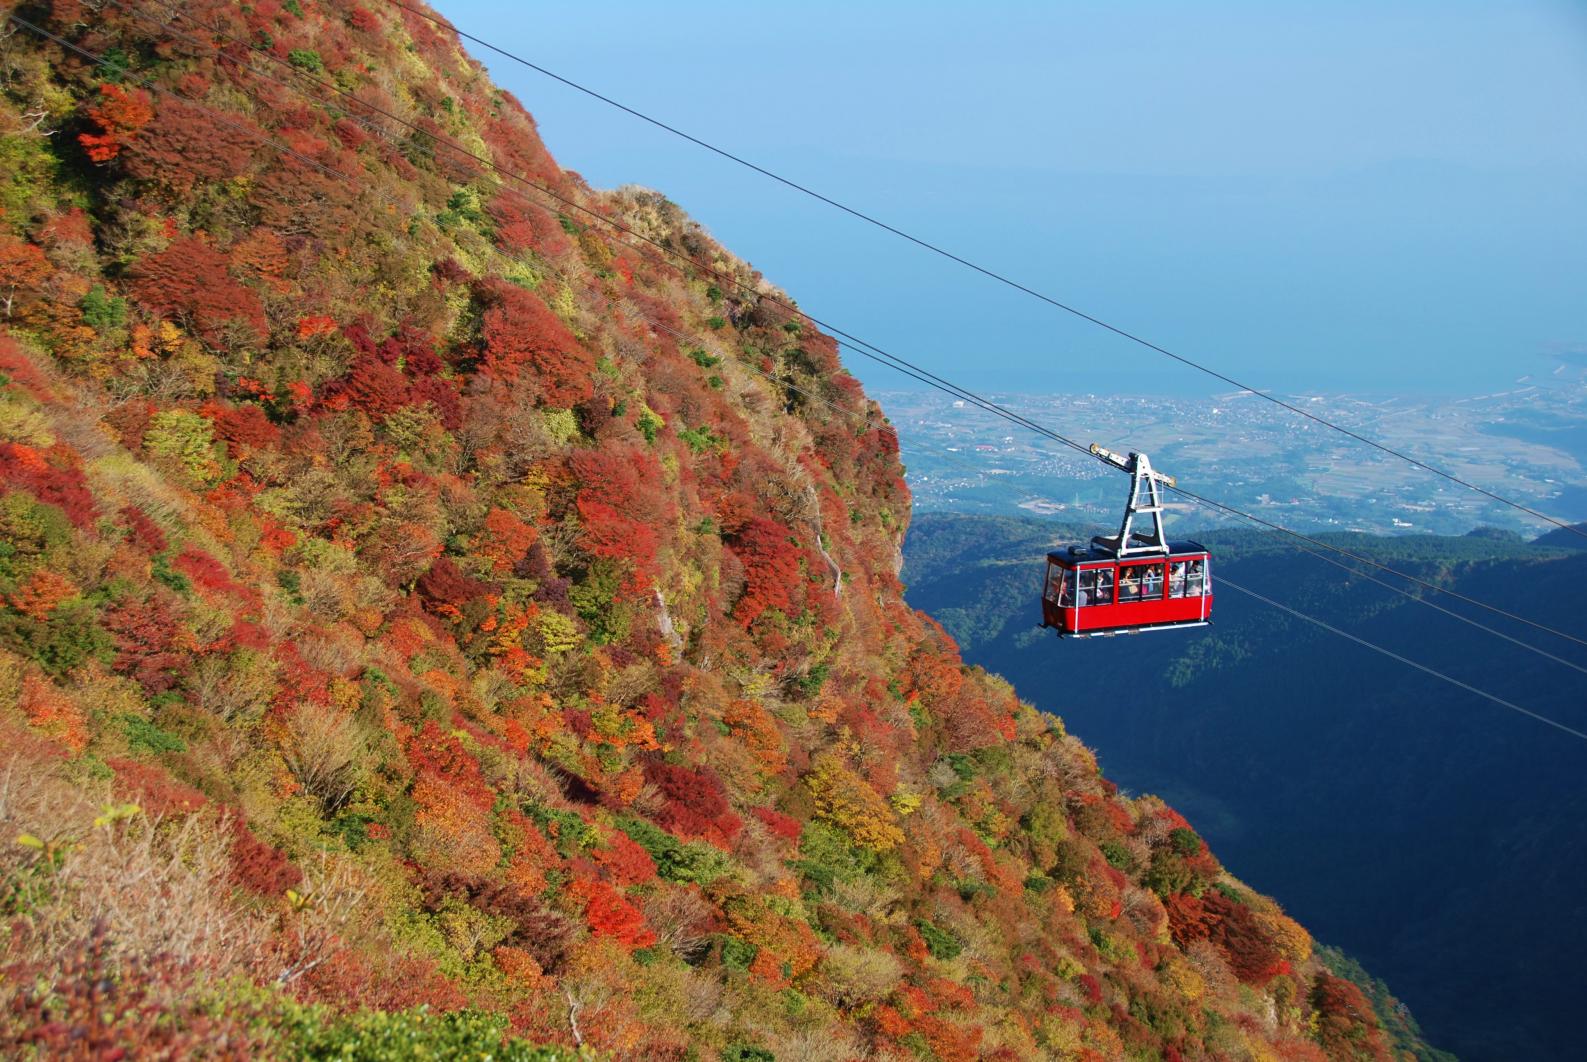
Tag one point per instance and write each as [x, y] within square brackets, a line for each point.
[1342, 196]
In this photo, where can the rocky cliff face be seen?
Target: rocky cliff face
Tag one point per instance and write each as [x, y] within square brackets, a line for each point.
[416, 591]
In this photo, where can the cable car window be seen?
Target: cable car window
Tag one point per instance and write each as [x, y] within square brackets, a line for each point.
[1187, 578]
[1152, 583]
[1141, 582]
[1060, 585]
[1096, 587]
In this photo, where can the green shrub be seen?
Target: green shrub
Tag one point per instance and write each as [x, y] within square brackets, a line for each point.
[939, 942]
[58, 644]
[738, 954]
[163, 573]
[691, 862]
[747, 1053]
[306, 59]
[701, 439]
[101, 311]
[374, 1036]
[142, 734]
[595, 600]
[827, 857]
[1117, 855]
[187, 440]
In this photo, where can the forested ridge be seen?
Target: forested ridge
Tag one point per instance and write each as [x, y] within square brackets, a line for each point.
[431, 620]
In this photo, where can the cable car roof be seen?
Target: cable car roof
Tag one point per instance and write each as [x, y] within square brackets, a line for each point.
[1086, 554]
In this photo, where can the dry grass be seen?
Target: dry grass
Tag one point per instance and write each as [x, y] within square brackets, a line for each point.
[160, 888]
[324, 751]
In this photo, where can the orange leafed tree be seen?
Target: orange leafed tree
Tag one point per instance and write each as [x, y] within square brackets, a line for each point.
[23, 268]
[120, 113]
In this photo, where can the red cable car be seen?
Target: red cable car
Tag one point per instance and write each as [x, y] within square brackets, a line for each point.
[1132, 581]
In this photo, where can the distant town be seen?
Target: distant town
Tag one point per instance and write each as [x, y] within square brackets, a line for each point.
[1528, 444]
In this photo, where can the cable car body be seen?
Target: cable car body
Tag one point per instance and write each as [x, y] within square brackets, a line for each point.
[1133, 581]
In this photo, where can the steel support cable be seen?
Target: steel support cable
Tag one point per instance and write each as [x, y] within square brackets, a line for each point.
[856, 344]
[1407, 661]
[985, 271]
[148, 83]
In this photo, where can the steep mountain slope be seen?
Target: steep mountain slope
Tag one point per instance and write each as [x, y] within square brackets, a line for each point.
[1432, 834]
[412, 593]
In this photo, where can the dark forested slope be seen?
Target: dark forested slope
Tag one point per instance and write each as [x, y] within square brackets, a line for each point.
[414, 594]
[1431, 833]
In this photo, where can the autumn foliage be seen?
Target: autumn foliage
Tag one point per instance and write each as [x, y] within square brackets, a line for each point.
[525, 343]
[188, 281]
[120, 113]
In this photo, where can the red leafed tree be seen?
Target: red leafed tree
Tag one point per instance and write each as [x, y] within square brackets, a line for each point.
[120, 113]
[696, 804]
[522, 226]
[609, 914]
[443, 395]
[146, 638]
[785, 826]
[445, 589]
[524, 339]
[155, 791]
[435, 752]
[191, 143]
[315, 325]
[188, 281]
[258, 866]
[206, 572]
[1231, 925]
[245, 428]
[50, 475]
[771, 569]
[622, 509]
[70, 226]
[1346, 1025]
[370, 385]
[143, 531]
[505, 538]
[626, 862]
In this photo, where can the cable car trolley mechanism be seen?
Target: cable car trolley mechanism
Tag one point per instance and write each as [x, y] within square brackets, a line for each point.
[1135, 580]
